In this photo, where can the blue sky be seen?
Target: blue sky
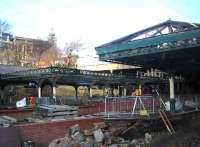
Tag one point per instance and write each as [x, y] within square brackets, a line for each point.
[94, 22]
[87, 19]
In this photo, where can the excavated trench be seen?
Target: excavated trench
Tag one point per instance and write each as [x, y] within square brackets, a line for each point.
[187, 133]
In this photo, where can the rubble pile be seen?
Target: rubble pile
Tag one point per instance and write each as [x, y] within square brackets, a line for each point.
[100, 135]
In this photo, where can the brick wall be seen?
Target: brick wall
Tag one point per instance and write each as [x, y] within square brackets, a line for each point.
[19, 114]
[44, 133]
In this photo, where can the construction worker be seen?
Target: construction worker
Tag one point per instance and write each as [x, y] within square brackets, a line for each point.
[136, 92]
[32, 101]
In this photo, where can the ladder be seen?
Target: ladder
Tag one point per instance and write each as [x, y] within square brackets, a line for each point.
[167, 122]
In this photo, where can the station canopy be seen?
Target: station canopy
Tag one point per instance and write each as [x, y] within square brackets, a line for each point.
[168, 46]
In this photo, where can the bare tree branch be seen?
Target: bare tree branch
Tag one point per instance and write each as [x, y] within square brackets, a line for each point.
[71, 49]
[4, 26]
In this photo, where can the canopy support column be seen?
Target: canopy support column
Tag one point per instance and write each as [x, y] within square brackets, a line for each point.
[172, 94]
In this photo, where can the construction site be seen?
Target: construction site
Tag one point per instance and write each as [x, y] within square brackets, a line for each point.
[156, 104]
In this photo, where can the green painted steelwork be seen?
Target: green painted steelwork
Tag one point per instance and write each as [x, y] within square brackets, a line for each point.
[73, 77]
[148, 42]
[167, 27]
[148, 50]
[66, 75]
[170, 46]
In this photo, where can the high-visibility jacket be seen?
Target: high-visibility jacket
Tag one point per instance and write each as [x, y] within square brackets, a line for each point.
[137, 92]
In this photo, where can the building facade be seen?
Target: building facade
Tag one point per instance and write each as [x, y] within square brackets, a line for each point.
[22, 51]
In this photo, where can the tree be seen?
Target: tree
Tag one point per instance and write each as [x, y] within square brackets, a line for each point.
[4, 26]
[6, 53]
[71, 50]
[51, 55]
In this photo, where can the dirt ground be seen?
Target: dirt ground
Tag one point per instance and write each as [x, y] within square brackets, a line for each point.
[187, 135]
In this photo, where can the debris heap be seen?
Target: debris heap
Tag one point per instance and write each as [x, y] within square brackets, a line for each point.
[100, 135]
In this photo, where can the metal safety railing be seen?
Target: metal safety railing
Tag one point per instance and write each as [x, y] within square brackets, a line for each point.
[132, 106]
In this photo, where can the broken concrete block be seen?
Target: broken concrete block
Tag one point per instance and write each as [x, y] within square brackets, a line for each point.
[100, 125]
[3, 121]
[123, 145]
[98, 135]
[28, 143]
[113, 145]
[29, 119]
[133, 142]
[107, 134]
[148, 138]
[73, 129]
[64, 142]
[78, 137]
[88, 132]
[89, 142]
[6, 125]
[117, 139]
[10, 119]
[107, 137]
[116, 130]
[60, 142]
